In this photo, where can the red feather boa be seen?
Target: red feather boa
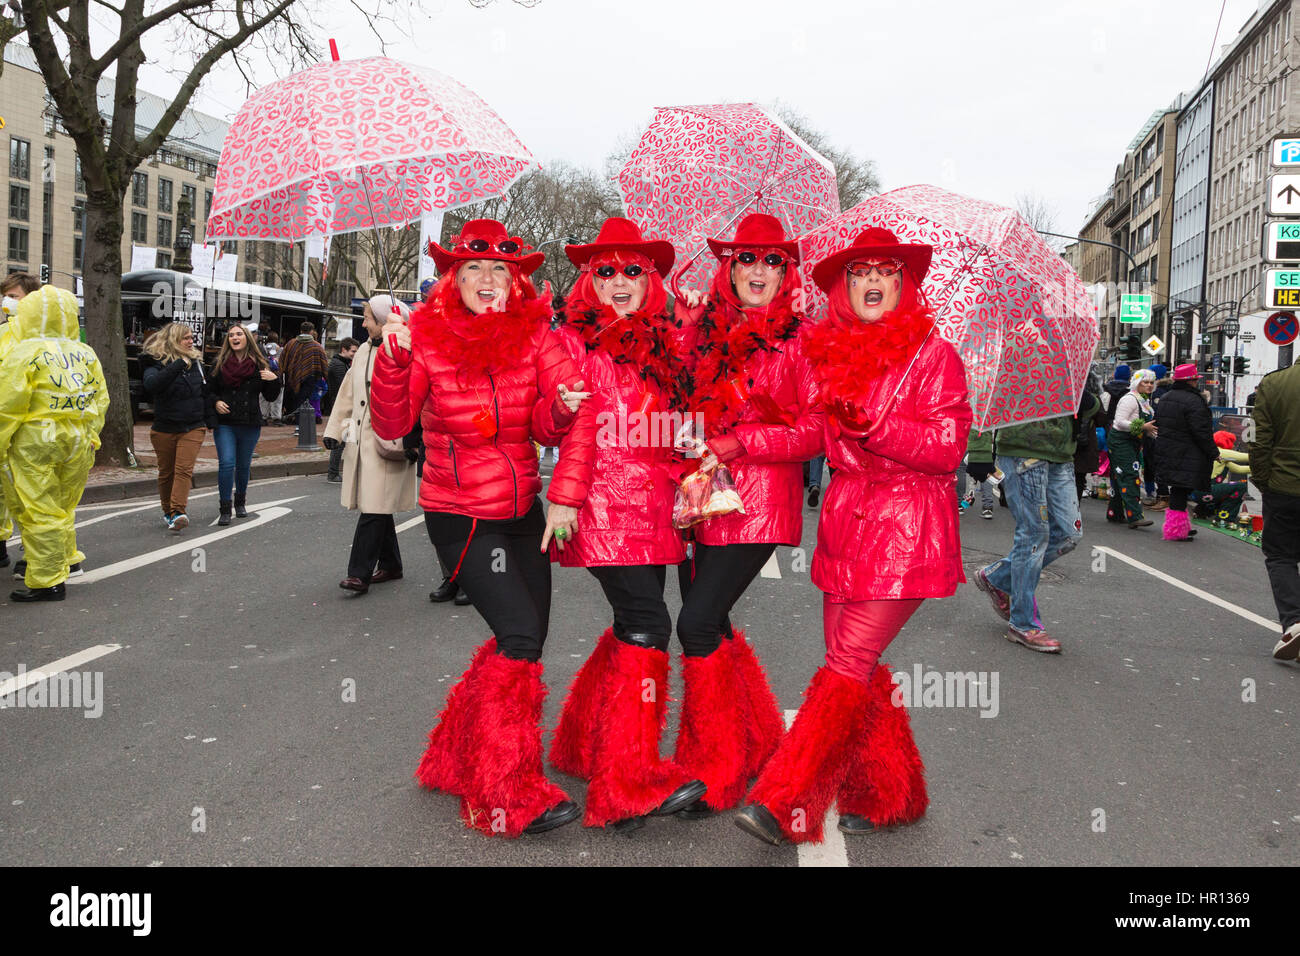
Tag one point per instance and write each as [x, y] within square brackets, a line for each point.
[722, 354]
[636, 340]
[848, 356]
[479, 343]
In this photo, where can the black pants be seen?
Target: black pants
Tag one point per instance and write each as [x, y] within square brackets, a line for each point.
[508, 578]
[711, 583]
[1178, 498]
[636, 593]
[374, 543]
[336, 461]
[1281, 546]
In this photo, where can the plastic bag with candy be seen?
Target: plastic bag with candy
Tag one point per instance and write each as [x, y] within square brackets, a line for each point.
[702, 494]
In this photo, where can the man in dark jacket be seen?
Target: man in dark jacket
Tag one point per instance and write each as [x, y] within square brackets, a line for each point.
[1275, 469]
[1115, 389]
[338, 371]
[1184, 448]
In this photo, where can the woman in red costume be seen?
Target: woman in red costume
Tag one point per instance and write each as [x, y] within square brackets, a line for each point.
[614, 328]
[478, 366]
[757, 399]
[887, 540]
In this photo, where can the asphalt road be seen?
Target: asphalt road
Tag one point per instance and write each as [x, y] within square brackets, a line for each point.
[1164, 734]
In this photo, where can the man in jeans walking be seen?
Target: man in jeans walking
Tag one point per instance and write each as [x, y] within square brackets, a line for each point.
[1275, 470]
[1037, 463]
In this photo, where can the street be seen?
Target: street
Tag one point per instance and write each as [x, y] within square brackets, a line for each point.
[254, 713]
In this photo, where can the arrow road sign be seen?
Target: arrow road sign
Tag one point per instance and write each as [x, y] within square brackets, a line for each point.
[1136, 309]
[1284, 195]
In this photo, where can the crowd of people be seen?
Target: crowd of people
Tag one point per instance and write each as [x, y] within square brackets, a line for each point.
[443, 407]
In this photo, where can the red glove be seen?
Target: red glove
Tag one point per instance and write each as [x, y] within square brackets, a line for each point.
[852, 421]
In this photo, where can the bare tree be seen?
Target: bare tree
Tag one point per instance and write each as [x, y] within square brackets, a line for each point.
[112, 147]
[1041, 216]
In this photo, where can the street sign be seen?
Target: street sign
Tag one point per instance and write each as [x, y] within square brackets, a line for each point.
[1136, 309]
[1281, 241]
[1284, 195]
[1231, 327]
[1282, 288]
[1286, 151]
[1248, 336]
[1153, 345]
[1281, 328]
[1206, 338]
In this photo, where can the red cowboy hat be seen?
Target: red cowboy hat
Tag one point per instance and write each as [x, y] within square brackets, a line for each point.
[618, 233]
[874, 243]
[756, 231]
[484, 239]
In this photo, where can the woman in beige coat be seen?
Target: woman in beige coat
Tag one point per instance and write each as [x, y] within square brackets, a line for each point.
[380, 478]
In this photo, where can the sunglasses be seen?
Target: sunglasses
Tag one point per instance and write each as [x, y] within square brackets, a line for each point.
[773, 259]
[506, 246]
[632, 270]
[882, 267]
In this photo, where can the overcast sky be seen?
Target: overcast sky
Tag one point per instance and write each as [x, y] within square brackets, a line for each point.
[989, 99]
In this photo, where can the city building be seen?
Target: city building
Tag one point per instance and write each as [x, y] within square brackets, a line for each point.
[1191, 219]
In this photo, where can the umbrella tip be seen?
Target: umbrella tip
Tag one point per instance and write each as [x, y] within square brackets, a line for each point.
[334, 50]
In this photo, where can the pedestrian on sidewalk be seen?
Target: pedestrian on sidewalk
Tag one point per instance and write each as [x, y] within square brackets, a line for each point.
[173, 378]
[303, 364]
[1037, 464]
[379, 478]
[1185, 449]
[338, 370]
[1275, 469]
[53, 397]
[272, 411]
[896, 419]
[240, 379]
[982, 472]
[1133, 420]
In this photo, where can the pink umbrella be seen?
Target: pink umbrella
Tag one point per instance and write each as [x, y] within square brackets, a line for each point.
[1017, 313]
[357, 144]
[698, 169]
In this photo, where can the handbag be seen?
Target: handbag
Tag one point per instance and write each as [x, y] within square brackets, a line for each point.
[390, 449]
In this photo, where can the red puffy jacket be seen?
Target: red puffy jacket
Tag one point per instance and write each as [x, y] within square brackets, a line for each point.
[465, 471]
[766, 459]
[627, 518]
[889, 521]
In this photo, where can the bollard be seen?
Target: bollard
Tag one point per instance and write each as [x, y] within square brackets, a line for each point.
[307, 428]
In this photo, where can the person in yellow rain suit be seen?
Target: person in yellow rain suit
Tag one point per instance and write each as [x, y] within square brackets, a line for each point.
[12, 288]
[53, 399]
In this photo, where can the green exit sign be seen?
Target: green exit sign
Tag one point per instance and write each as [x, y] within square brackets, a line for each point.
[1135, 309]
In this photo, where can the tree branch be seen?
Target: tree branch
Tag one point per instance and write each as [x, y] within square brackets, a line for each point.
[137, 29]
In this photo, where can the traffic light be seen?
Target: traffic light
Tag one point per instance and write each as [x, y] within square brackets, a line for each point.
[45, 274]
[1242, 365]
[1132, 347]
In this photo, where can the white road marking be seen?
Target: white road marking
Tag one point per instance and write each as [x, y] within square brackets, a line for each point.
[28, 678]
[410, 523]
[125, 502]
[265, 514]
[832, 852]
[772, 569]
[1251, 616]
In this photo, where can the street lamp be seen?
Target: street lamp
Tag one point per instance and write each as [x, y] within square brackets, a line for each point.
[184, 238]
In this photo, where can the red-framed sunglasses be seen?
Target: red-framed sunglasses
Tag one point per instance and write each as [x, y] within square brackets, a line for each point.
[773, 259]
[507, 247]
[631, 270]
[882, 267]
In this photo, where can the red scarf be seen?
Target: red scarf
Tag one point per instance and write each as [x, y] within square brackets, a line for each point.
[636, 339]
[236, 370]
[848, 356]
[479, 343]
[722, 354]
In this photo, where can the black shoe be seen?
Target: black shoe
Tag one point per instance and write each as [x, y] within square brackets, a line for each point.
[462, 600]
[629, 825]
[76, 570]
[699, 810]
[557, 816]
[682, 798]
[757, 821]
[20, 569]
[240, 510]
[444, 592]
[225, 514]
[335, 479]
[855, 825]
[814, 493]
[28, 595]
[4, 554]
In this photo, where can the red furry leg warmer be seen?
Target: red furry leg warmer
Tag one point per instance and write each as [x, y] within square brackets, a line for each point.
[440, 767]
[1177, 525]
[711, 736]
[503, 788]
[575, 735]
[886, 779]
[764, 725]
[628, 776]
[805, 773]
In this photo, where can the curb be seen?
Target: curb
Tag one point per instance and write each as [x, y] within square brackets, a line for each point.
[143, 487]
